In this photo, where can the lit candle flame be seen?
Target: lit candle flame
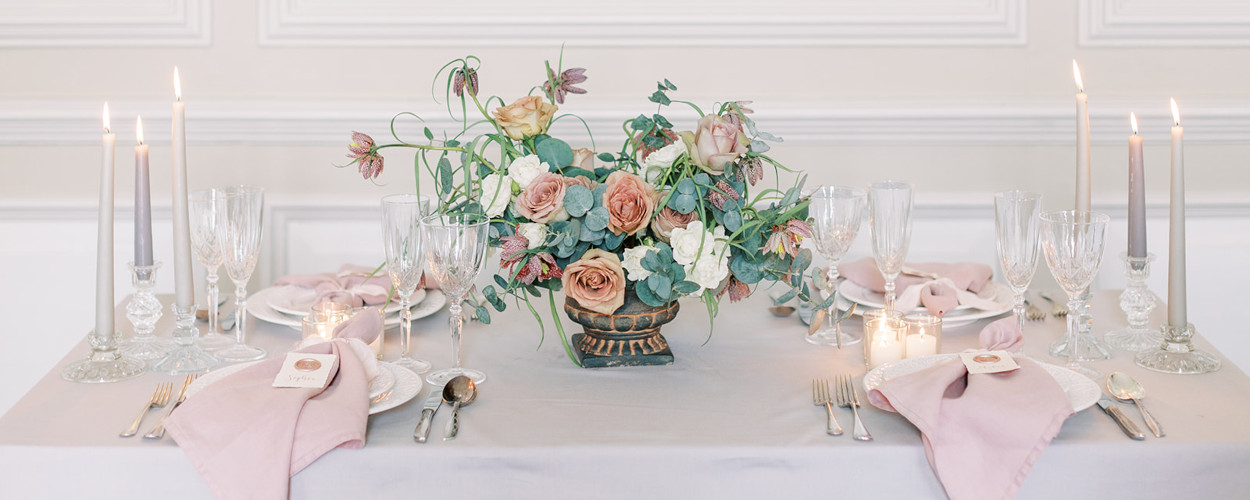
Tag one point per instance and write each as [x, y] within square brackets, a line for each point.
[1176, 113]
[1076, 75]
[106, 118]
[1133, 118]
[139, 129]
[177, 85]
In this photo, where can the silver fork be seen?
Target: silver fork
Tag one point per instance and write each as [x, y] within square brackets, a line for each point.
[820, 396]
[1057, 309]
[159, 431]
[1033, 313]
[160, 396]
[848, 398]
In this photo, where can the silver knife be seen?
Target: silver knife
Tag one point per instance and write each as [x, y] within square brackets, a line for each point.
[432, 403]
[1111, 408]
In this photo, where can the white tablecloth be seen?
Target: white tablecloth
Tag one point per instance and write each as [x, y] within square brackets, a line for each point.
[730, 419]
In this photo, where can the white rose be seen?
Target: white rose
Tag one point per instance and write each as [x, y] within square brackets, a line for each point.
[525, 169]
[721, 241]
[664, 157]
[534, 233]
[496, 194]
[709, 270]
[686, 242]
[633, 262]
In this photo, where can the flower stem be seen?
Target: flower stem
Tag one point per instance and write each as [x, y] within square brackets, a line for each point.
[555, 316]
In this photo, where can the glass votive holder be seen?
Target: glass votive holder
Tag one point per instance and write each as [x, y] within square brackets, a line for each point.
[883, 339]
[323, 317]
[924, 334]
[377, 341]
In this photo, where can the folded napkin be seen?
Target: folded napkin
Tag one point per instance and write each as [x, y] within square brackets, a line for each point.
[958, 285]
[983, 432]
[350, 278]
[247, 438]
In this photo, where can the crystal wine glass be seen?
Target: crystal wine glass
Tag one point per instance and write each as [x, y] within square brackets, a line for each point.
[240, 216]
[1015, 222]
[401, 233]
[203, 212]
[455, 246]
[889, 211]
[1074, 242]
[837, 212]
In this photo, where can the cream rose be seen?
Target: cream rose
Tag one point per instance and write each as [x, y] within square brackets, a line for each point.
[525, 169]
[633, 262]
[496, 194]
[525, 117]
[596, 281]
[664, 157]
[543, 200]
[709, 270]
[535, 234]
[667, 219]
[583, 158]
[630, 202]
[686, 242]
[716, 142]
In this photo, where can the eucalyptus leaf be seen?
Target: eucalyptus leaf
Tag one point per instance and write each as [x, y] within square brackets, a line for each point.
[482, 314]
[660, 284]
[612, 240]
[597, 218]
[578, 200]
[758, 146]
[786, 297]
[647, 297]
[444, 175]
[686, 287]
[554, 152]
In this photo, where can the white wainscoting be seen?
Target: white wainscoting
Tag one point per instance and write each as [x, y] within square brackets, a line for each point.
[105, 23]
[1164, 23]
[47, 260]
[643, 23]
[945, 122]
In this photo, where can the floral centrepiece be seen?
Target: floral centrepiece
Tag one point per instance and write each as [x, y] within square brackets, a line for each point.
[671, 213]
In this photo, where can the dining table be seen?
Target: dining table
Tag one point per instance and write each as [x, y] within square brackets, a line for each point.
[732, 417]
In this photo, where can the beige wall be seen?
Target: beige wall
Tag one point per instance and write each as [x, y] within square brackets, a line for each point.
[962, 97]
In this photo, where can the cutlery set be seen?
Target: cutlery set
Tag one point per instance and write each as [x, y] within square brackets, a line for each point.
[845, 396]
[459, 391]
[160, 399]
[1125, 388]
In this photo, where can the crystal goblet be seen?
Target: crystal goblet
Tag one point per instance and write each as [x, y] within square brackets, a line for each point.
[455, 246]
[401, 235]
[204, 222]
[1074, 241]
[1016, 226]
[240, 210]
[889, 212]
[837, 212]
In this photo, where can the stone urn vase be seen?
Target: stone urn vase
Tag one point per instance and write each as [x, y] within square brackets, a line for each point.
[630, 336]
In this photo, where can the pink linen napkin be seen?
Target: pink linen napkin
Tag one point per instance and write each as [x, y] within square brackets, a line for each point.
[247, 438]
[959, 284]
[982, 433]
[350, 278]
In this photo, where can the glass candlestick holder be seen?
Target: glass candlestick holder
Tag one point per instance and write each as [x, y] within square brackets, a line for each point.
[1136, 301]
[187, 358]
[105, 363]
[1177, 354]
[143, 311]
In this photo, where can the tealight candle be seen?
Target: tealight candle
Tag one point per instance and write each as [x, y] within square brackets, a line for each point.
[883, 341]
[924, 334]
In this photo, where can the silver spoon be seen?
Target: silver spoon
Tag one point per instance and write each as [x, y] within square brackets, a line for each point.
[1126, 388]
[459, 391]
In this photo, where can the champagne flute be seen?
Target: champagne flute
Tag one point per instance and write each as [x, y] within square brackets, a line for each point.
[401, 234]
[837, 212]
[1074, 242]
[1015, 222]
[889, 204]
[456, 250]
[240, 212]
[204, 222]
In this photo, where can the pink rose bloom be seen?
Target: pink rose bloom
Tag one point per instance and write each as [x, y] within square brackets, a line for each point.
[543, 200]
[583, 158]
[716, 142]
[596, 281]
[580, 180]
[667, 219]
[630, 202]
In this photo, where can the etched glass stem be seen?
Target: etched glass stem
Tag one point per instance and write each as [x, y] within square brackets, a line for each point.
[213, 298]
[457, 323]
[405, 327]
[240, 307]
[889, 294]
[1018, 310]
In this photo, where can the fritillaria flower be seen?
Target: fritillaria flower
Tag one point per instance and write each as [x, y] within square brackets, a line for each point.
[718, 199]
[462, 77]
[734, 118]
[538, 266]
[367, 160]
[786, 237]
[564, 84]
[737, 290]
[750, 169]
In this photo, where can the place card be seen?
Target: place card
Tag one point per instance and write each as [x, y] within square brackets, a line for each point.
[305, 370]
[989, 361]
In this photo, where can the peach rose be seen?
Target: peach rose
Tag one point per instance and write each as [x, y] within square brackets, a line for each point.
[527, 117]
[667, 219]
[543, 200]
[596, 281]
[584, 158]
[715, 142]
[630, 202]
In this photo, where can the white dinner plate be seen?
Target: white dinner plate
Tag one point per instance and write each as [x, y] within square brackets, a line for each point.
[393, 386]
[258, 306]
[1081, 391]
[298, 301]
[868, 300]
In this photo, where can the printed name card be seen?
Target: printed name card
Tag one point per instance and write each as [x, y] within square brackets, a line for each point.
[305, 370]
[989, 361]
